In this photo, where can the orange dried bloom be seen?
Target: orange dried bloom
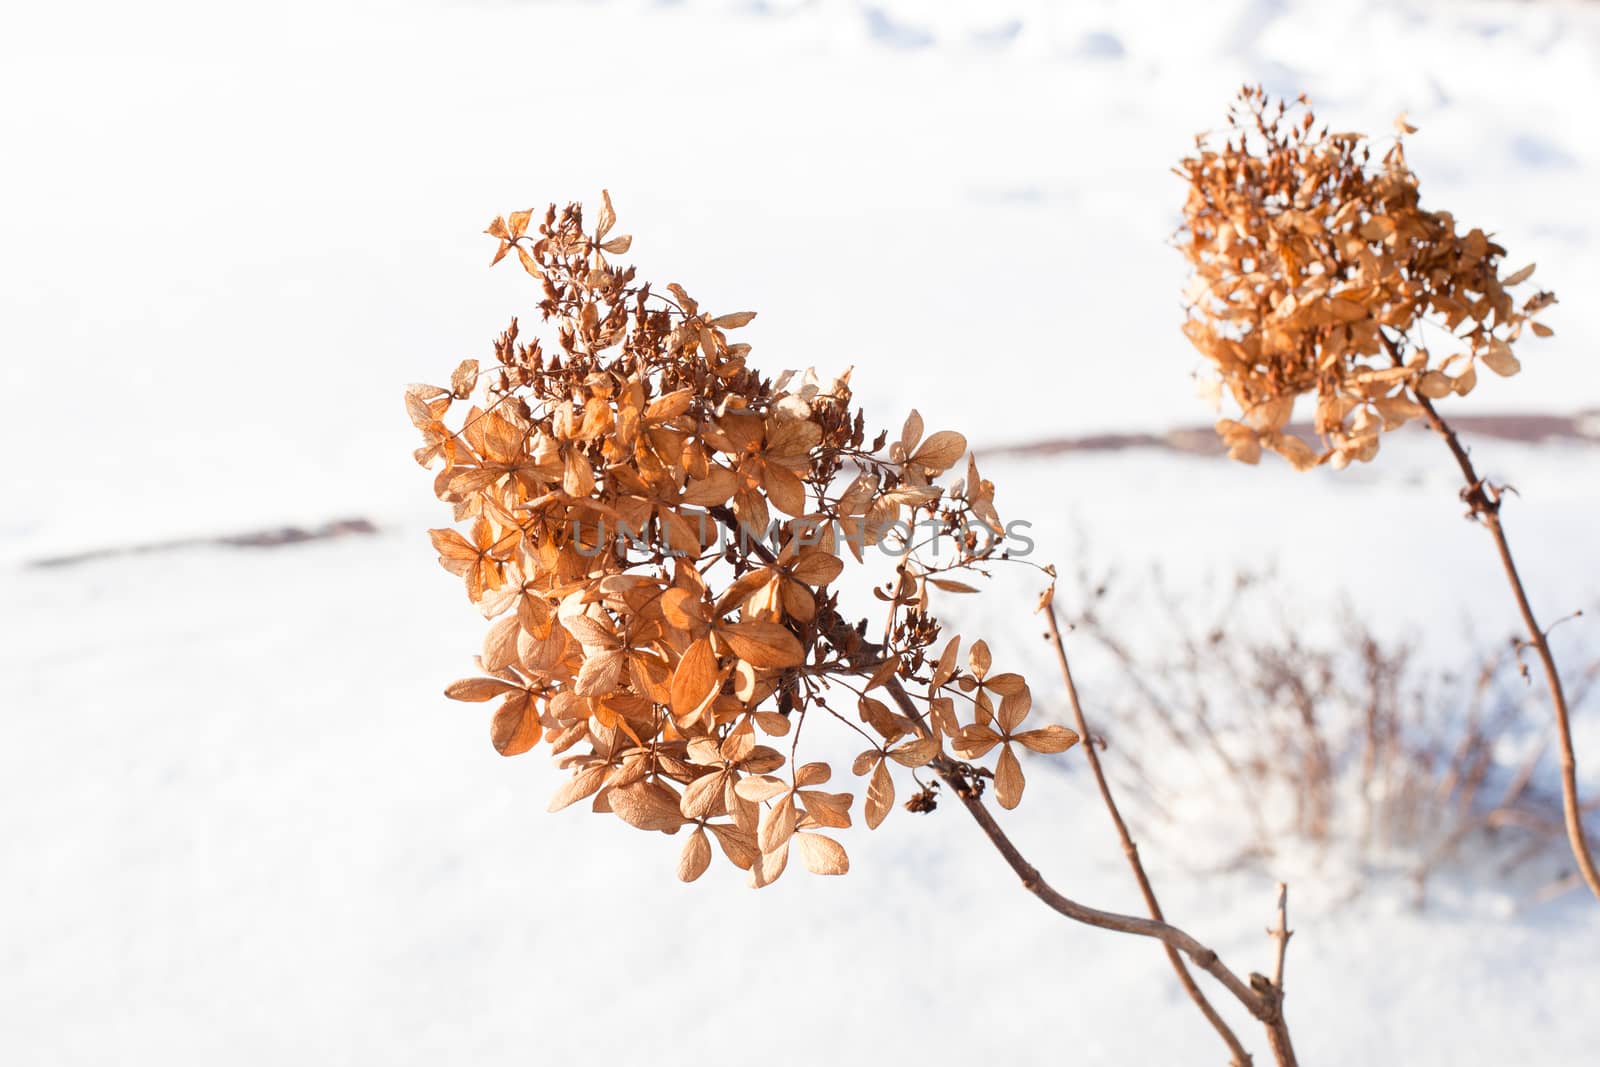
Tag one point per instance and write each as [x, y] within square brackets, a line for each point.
[1317, 272]
[655, 530]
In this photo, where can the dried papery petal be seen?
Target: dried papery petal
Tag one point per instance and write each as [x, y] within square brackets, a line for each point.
[769, 866]
[479, 689]
[705, 796]
[825, 809]
[696, 856]
[940, 452]
[812, 774]
[975, 741]
[822, 855]
[979, 658]
[1051, 738]
[880, 795]
[647, 805]
[696, 681]
[1008, 781]
[917, 752]
[516, 727]
[763, 644]
[777, 824]
[581, 785]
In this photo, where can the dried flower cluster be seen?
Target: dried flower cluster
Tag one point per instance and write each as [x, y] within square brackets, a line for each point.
[1316, 271]
[656, 529]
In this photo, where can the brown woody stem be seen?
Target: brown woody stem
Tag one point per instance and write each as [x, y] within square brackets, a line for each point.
[1034, 883]
[1265, 1005]
[1241, 1058]
[1484, 500]
[1278, 1029]
[1281, 934]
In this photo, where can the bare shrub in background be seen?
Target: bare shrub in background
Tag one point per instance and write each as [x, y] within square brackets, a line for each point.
[1318, 273]
[1346, 741]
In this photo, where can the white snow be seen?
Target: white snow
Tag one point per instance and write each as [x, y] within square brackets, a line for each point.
[238, 821]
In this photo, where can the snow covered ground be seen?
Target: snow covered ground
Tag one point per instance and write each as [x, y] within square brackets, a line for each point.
[242, 825]
[239, 823]
[246, 223]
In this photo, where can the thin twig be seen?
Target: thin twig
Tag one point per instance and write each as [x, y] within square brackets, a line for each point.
[1241, 1058]
[1277, 1028]
[1265, 1005]
[1483, 500]
[1034, 883]
[1281, 934]
[1485, 504]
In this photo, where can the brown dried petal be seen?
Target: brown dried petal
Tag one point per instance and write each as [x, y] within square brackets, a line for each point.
[974, 742]
[1052, 738]
[648, 805]
[822, 855]
[478, 690]
[696, 856]
[515, 727]
[1008, 781]
[763, 644]
[880, 795]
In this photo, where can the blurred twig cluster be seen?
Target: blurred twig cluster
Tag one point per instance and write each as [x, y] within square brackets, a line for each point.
[1337, 737]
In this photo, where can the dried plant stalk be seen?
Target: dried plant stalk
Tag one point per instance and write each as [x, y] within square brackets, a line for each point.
[1259, 999]
[1483, 501]
[1240, 1057]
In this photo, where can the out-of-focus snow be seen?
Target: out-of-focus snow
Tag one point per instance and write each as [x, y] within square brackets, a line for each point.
[239, 821]
[242, 824]
[231, 230]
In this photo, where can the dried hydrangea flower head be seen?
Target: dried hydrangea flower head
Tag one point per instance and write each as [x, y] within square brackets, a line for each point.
[656, 530]
[1317, 272]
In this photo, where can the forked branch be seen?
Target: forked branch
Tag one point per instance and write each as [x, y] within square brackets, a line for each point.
[1241, 1058]
[1264, 1004]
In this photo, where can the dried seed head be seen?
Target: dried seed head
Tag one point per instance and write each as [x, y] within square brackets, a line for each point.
[1315, 272]
[655, 529]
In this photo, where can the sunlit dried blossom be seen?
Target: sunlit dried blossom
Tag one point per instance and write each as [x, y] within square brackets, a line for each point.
[661, 666]
[1317, 271]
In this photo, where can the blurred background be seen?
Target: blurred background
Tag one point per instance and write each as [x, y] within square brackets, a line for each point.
[240, 822]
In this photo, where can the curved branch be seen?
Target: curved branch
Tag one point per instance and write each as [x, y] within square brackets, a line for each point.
[1241, 1058]
[1265, 1004]
[1484, 501]
[1033, 882]
[1262, 1007]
